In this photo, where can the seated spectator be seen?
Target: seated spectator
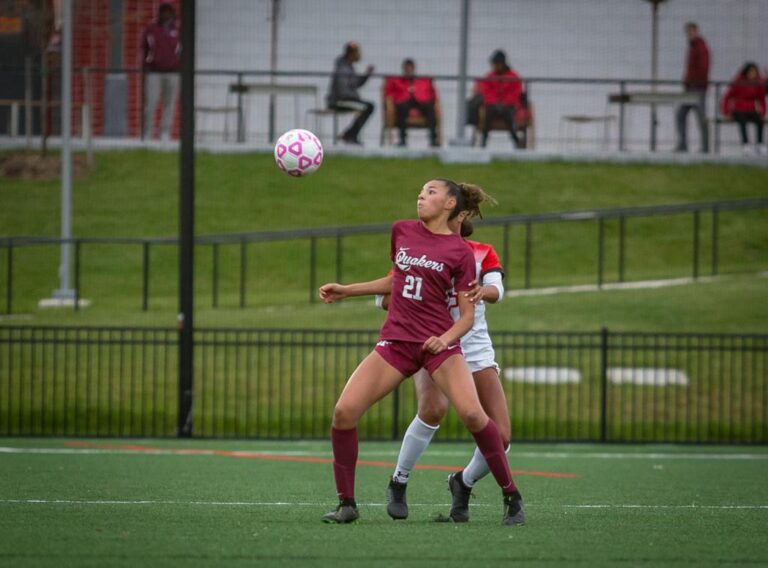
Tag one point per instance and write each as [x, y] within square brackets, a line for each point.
[409, 93]
[744, 102]
[501, 89]
[343, 94]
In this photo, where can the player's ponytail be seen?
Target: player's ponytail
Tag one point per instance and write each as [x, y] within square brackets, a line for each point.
[474, 196]
[467, 228]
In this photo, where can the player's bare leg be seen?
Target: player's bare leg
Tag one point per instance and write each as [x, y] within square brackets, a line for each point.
[373, 379]
[433, 405]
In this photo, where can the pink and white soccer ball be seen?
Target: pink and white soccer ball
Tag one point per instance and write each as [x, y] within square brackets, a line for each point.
[298, 153]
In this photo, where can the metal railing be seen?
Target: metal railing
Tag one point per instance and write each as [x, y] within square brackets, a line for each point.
[700, 212]
[227, 91]
[588, 386]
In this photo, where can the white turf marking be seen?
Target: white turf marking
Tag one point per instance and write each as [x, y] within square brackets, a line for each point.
[542, 375]
[655, 377]
[638, 285]
[372, 453]
[287, 504]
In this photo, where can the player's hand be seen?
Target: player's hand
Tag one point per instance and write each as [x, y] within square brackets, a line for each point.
[333, 292]
[475, 292]
[434, 345]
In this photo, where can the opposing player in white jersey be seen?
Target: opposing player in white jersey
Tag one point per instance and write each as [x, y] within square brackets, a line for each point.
[433, 405]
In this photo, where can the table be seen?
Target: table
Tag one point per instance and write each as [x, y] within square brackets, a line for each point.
[272, 89]
[652, 98]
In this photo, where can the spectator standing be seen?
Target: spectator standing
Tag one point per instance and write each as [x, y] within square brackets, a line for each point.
[161, 59]
[696, 80]
[744, 102]
[501, 89]
[409, 92]
[343, 93]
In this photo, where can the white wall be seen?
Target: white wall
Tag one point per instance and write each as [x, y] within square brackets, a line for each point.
[543, 39]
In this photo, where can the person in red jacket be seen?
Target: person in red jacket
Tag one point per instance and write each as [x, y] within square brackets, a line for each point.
[501, 90]
[409, 92]
[744, 102]
[161, 60]
[696, 80]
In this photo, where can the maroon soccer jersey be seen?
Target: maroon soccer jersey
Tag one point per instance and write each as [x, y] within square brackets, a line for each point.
[427, 267]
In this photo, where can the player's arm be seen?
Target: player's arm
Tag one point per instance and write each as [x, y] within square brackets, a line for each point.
[491, 290]
[459, 328]
[334, 292]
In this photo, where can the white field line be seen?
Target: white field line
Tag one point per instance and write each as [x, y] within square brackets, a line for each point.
[76, 502]
[364, 454]
[637, 285]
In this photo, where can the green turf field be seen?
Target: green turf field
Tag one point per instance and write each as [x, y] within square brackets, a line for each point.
[205, 503]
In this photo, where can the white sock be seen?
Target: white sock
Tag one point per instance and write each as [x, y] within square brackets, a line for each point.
[477, 468]
[417, 437]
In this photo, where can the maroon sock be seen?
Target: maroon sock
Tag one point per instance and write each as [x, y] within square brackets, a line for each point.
[490, 444]
[344, 444]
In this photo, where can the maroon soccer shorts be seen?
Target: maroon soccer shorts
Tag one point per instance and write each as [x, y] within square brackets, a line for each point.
[408, 357]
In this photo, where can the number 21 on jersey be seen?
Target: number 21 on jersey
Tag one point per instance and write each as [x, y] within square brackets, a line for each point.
[412, 287]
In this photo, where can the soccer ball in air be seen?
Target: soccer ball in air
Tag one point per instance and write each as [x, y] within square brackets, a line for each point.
[298, 153]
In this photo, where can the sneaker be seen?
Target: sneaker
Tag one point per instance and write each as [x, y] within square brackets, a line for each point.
[397, 508]
[460, 498]
[346, 512]
[513, 509]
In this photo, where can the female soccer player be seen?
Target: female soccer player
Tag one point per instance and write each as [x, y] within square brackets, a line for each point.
[433, 405]
[429, 262]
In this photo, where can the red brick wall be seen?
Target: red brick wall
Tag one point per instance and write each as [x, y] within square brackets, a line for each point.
[90, 46]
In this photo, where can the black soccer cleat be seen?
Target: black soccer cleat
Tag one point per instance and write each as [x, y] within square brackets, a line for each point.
[513, 509]
[460, 494]
[346, 512]
[397, 508]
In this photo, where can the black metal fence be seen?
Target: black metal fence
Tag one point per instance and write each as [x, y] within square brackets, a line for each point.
[590, 386]
[705, 258]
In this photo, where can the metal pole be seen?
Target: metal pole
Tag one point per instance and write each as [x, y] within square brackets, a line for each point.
[696, 223]
[622, 247]
[461, 116]
[273, 66]
[65, 291]
[145, 277]
[654, 66]
[186, 221]
[28, 101]
[528, 247]
[715, 227]
[312, 268]
[604, 384]
[9, 283]
[600, 250]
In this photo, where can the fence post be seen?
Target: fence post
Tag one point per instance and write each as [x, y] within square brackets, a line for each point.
[240, 118]
[528, 246]
[215, 275]
[604, 384]
[9, 285]
[505, 251]
[715, 241]
[312, 268]
[77, 274]
[395, 414]
[696, 223]
[242, 273]
[622, 92]
[621, 248]
[600, 250]
[145, 276]
[338, 257]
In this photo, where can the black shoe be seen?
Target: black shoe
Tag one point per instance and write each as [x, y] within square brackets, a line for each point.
[513, 509]
[401, 144]
[346, 512]
[397, 508]
[460, 498]
[351, 139]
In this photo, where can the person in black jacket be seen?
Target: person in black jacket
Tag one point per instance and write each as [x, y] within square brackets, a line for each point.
[343, 94]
